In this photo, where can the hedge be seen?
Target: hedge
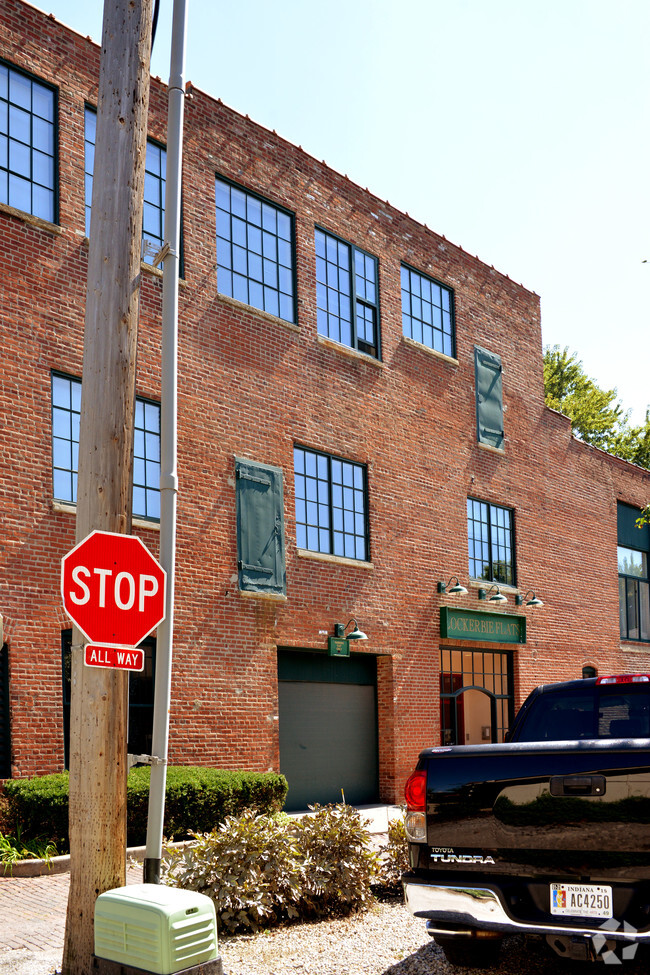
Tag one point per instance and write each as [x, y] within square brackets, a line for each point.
[197, 799]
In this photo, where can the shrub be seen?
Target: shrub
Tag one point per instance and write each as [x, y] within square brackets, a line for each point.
[262, 869]
[250, 866]
[38, 807]
[394, 857]
[196, 799]
[340, 862]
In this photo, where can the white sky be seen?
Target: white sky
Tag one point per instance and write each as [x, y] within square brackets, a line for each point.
[519, 129]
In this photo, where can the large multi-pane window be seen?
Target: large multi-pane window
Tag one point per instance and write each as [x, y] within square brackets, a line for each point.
[490, 542]
[331, 504]
[633, 594]
[155, 169]
[66, 410]
[255, 252]
[633, 580]
[427, 311]
[146, 460]
[27, 144]
[476, 696]
[346, 294]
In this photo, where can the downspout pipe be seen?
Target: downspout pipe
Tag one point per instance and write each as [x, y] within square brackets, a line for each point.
[168, 439]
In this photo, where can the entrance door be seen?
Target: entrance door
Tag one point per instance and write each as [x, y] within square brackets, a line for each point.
[328, 728]
[476, 696]
[5, 733]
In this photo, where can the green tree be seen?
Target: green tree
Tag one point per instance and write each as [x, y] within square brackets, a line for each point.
[596, 415]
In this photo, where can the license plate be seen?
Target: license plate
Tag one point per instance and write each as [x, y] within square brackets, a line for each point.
[581, 900]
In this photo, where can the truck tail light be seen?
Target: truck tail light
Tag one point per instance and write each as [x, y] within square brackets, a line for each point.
[625, 679]
[415, 793]
[415, 790]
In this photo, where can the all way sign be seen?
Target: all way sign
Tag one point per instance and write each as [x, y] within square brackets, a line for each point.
[122, 658]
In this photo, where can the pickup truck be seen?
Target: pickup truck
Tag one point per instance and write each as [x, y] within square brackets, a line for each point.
[546, 834]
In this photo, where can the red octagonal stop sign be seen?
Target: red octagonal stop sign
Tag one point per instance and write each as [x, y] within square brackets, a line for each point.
[113, 588]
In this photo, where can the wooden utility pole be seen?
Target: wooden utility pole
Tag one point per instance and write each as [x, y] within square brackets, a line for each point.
[99, 704]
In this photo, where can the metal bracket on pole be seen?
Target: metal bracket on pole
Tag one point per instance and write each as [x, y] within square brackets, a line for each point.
[144, 760]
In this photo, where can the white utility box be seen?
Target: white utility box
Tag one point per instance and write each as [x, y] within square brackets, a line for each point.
[156, 928]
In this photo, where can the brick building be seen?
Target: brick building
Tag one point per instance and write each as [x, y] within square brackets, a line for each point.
[361, 419]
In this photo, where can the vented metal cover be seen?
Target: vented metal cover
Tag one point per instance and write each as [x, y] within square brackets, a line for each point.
[159, 929]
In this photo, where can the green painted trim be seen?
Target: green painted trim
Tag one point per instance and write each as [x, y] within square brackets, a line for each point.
[474, 625]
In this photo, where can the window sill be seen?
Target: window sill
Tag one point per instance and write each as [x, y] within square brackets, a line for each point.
[348, 351]
[641, 645]
[68, 508]
[425, 348]
[274, 597]
[52, 228]
[242, 306]
[490, 449]
[305, 553]
[504, 587]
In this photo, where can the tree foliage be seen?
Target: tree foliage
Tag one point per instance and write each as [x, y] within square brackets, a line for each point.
[597, 417]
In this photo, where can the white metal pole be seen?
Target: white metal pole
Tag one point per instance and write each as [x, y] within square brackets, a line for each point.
[168, 473]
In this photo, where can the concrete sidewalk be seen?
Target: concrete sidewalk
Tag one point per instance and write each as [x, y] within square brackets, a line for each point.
[33, 908]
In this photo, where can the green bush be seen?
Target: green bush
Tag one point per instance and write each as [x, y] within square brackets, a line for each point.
[250, 866]
[394, 857]
[260, 869]
[38, 808]
[196, 799]
[340, 862]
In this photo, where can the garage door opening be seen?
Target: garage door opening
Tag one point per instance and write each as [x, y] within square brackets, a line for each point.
[328, 728]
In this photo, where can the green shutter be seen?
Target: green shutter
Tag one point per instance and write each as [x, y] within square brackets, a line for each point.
[260, 528]
[489, 398]
[629, 536]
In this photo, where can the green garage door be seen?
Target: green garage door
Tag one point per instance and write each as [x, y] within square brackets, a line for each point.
[328, 727]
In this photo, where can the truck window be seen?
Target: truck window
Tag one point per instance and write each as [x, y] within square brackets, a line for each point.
[606, 711]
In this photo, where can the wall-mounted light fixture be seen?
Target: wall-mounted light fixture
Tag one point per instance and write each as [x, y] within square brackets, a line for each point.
[355, 634]
[456, 589]
[534, 601]
[498, 596]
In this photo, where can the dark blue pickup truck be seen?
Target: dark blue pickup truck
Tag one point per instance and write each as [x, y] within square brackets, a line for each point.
[547, 834]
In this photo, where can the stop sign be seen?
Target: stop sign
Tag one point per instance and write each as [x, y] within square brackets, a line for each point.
[113, 588]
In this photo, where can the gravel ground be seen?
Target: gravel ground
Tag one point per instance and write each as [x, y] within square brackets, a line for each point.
[385, 941]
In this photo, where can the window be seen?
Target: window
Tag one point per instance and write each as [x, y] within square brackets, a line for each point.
[633, 594]
[346, 293]
[489, 398]
[476, 696]
[27, 144]
[331, 505]
[607, 711]
[260, 528]
[66, 410]
[490, 539]
[255, 258]
[141, 693]
[633, 581]
[427, 312]
[153, 218]
[146, 460]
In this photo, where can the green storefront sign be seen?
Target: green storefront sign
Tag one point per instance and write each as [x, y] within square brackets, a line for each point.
[471, 624]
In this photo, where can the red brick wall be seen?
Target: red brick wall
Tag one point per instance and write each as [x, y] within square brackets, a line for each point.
[252, 387]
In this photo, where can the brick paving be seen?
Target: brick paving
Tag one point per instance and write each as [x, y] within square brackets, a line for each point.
[33, 909]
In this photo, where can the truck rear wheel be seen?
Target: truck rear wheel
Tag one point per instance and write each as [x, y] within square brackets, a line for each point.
[470, 952]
